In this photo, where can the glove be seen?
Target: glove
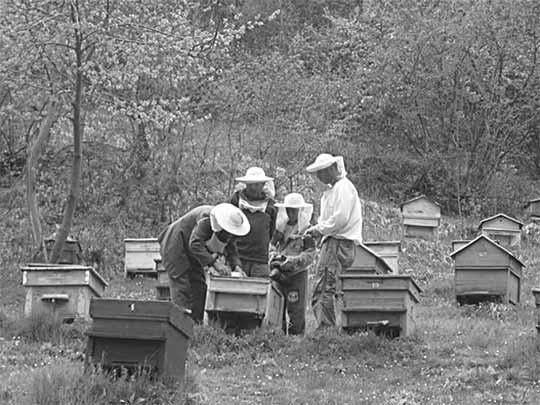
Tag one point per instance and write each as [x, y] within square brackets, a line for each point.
[286, 266]
[275, 274]
[277, 260]
[221, 268]
[239, 270]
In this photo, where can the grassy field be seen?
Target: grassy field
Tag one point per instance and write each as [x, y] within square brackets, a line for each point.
[485, 354]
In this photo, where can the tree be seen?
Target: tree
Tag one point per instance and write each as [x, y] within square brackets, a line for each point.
[130, 59]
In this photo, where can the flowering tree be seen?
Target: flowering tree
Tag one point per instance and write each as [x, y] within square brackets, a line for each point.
[63, 62]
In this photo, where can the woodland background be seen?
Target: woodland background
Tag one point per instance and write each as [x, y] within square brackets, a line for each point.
[118, 116]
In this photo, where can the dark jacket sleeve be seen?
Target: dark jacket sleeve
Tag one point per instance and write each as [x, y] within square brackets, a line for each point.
[235, 199]
[231, 253]
[197, 242]
[272, 211]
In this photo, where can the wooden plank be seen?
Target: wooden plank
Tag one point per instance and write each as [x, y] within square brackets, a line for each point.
[421, 222]
[273, 315]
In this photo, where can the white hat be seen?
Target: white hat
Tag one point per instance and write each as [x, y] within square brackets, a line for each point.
[254, 175]
[323, 161]
[293, 200]
[231, 219]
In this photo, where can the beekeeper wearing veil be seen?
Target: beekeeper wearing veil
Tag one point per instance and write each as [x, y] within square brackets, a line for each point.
[292, 256]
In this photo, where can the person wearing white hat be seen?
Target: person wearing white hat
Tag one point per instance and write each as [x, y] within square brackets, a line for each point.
[202, 241]
[340, 226]
[294, 253]
[255, 198]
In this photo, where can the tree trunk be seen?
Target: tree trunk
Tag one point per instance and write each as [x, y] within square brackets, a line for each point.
[35, 150]
[78, 128]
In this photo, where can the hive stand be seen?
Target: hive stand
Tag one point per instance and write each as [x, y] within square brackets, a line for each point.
[421, 218]
[503, 229]
[61, 289]
[139, 256]
[246, 303]
[486, 271]
[382, 302]
[149, 336]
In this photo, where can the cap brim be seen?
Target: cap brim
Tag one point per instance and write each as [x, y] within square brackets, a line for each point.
[237, 231]
[251, 180]
[280, 205]
[315, 167]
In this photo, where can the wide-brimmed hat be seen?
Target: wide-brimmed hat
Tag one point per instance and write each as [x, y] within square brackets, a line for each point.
[254, 175]
[322, 161]
[231, 219]
[293, 200]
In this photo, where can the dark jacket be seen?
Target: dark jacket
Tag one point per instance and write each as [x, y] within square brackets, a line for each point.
[254, 246]
[190, 234]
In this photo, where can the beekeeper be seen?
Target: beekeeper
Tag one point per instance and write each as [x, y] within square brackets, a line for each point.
[340, 226]
[202, 241]
[255, 197]
[294, 253]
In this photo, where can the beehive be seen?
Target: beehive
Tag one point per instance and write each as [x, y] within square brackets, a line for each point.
[536, 293]
[140, 255]
[533, 209]
[64, 290]
[71, 252]
[503, 229]
[421, 218]
[458, 244]
[134, 334]
[388, 251]
[384, 302]
[485, 270]
[162, 284]
[367, 261]
[243, 303]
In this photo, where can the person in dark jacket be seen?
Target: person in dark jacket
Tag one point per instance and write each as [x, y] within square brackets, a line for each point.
[255, 199]
[293, 254]
[203, 240]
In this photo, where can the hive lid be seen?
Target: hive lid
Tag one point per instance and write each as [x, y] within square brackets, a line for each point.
[420, 197]
[500, 215]
[143, 310]
[377, 257]
[472, 242]
[62, 267]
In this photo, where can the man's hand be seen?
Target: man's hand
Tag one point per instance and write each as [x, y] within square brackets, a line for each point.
[222, 268]
[239, 270]
[286, 266]
[313, 231]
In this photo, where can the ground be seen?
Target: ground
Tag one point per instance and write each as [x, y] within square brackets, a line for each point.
[485, 354]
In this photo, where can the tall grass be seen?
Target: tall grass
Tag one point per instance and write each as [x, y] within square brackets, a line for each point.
[66, 383]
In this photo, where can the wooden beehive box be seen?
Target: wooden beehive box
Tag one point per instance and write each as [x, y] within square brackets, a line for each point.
[503, 229]
[384, 302]
[135, 334]
[536, 293]
[140, 255]
[65, 290]
[367, 261]
[485, 270]
[458, 244]
[162, 283]
[388, 251]
[71, 252]
[533, 209]
[421, 218]
[243, 303]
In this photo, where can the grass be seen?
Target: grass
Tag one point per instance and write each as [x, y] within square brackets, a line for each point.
[486, 354]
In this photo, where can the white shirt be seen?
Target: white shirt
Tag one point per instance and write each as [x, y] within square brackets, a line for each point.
[341, 212]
